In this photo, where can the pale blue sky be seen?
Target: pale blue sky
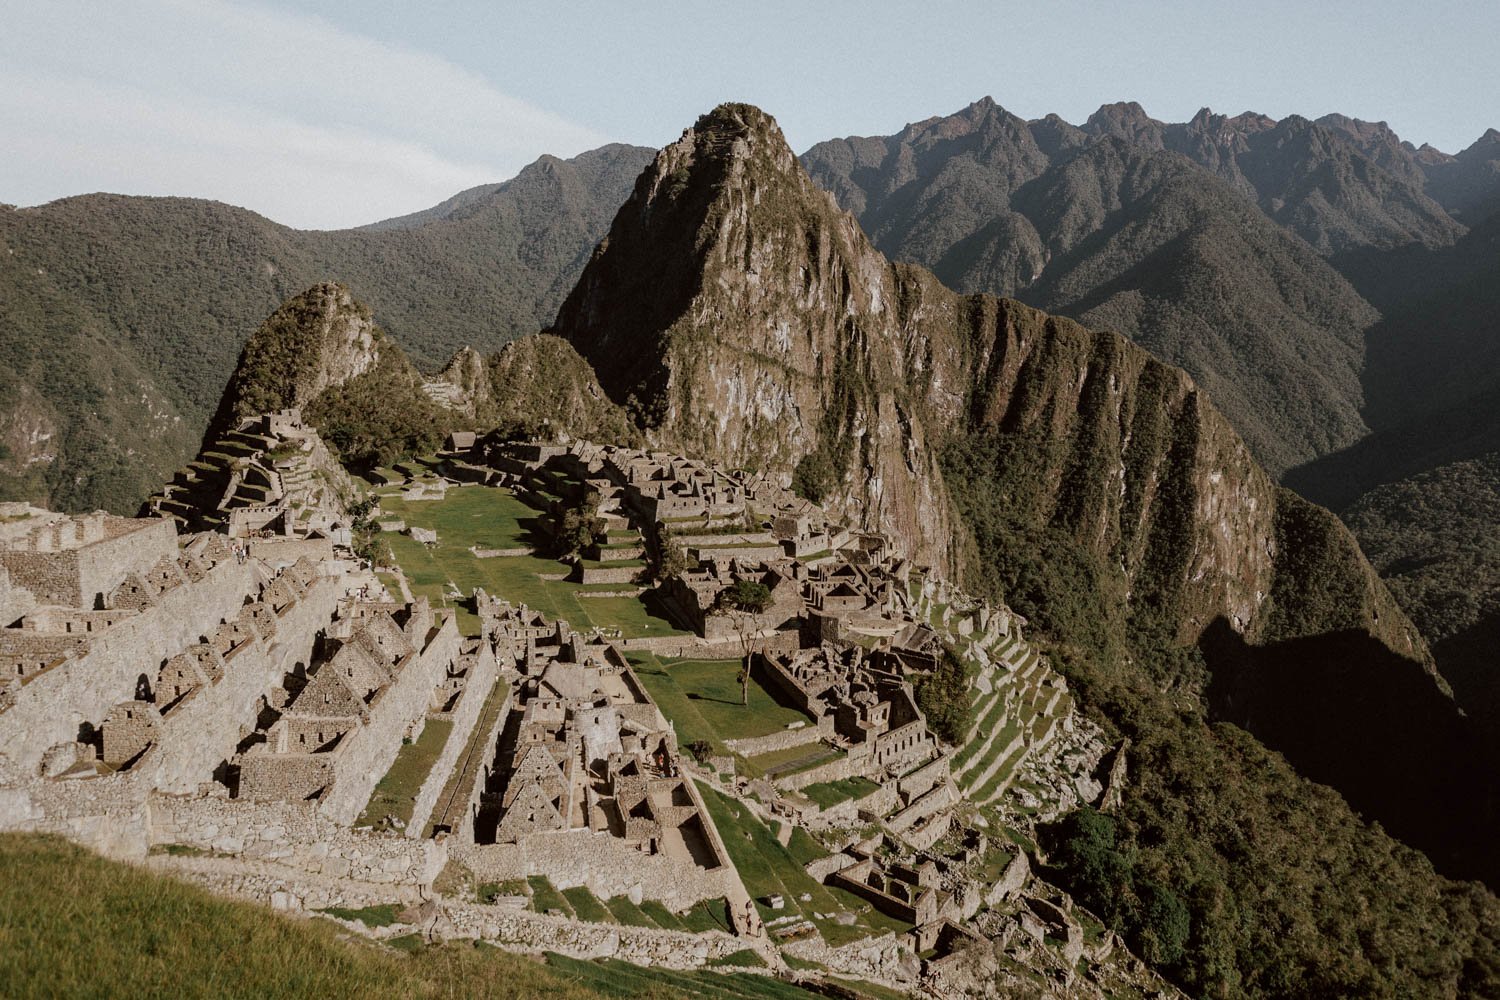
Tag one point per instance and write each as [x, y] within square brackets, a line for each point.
[334, 112]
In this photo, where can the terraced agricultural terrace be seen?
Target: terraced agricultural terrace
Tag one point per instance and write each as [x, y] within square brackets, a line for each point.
[524, 724]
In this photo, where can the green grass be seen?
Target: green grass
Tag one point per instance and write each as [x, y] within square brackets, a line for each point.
[371, 916]
[831, 793]
[745, 958]
[544, 896]
[395, 794]
[626, 912]
[706, 915]
[767, 868]
[792, 760]
[586, 905]
[703, 699]
[872, 990]
[614, 978]
[492, 518]
[660, 915]
[73, 924]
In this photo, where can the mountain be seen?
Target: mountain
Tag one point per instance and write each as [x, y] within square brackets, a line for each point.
[121, 317]
[735, 312]
[1468, 183]
[1109, 225]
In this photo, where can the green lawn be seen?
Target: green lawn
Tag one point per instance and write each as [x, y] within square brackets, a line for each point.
[395, 794]
[586, 905]
[703, 699]
[492, 518]
[767, 868]
[794, 759]
[831, 793]
[619, 979]
[545, 897]
[706, 915]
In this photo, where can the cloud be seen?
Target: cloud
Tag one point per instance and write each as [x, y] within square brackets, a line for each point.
[286, 114]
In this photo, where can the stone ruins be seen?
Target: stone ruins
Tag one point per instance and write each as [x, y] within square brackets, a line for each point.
[223, 689]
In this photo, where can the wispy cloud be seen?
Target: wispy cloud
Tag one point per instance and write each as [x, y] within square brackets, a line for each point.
[286, 114]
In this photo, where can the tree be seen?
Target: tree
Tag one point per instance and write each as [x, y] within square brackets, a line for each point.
[944, 698]
[743, 600]
[750, 596]
[577, 528]
[671, 559]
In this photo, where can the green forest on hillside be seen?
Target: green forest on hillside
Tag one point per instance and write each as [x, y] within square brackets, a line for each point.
[1214, 827]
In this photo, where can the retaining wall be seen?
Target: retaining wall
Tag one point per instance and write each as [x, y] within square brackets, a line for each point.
[297, 835]
[477, 687]
[601, 861]
[368, 752]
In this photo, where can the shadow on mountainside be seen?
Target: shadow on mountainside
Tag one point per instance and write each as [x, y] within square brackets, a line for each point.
[1351, 714]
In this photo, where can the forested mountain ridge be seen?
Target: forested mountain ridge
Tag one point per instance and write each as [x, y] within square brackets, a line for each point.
[1099, 492]
[122, 317]
[1110, 225]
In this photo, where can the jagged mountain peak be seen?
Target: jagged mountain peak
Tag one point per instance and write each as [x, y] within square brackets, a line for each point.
[321, 338]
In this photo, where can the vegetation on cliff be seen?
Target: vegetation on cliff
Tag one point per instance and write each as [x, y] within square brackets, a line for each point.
[121, 317]
[1101, 495]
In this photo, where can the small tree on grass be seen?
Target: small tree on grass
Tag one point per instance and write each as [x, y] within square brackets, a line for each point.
[577, 528]
[943, 696]
[743, 601]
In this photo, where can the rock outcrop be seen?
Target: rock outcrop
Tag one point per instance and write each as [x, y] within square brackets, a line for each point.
[738, 314]
[315, 341]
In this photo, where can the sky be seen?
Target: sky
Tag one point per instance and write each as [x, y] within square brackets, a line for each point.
[333, 113]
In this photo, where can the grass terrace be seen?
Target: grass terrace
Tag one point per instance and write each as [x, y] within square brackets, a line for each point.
[490, 518]
[396, 793]
[703, 699]
[794, 760]
[613, 978]
[77, 925]
[768, 868]
[830, 793]
[580, 902]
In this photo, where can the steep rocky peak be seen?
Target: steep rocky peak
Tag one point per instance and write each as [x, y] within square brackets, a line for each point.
[1363, 131]
[1126, 120]
[319, 339]
[739, 314]
[1053, 135]
[1486, 147]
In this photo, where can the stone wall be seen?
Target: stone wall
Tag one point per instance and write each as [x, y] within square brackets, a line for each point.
[79, 577]
[476, 775]
[368, 752]
[204, 729]
[787, 738]
[880, 958]
[477, 687]
[52, 706]
[295, 834]
[107, 814]
[285, 551]
[727, 649]
[601, 861]
[879, 802]
[637, 945]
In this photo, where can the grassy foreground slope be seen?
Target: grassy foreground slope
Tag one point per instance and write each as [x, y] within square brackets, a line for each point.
[76, 925]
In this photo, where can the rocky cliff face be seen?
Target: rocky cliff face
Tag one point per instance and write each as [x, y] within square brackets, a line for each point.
[539, 385]
[738, 314]
[317, 340]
